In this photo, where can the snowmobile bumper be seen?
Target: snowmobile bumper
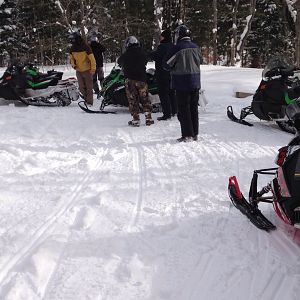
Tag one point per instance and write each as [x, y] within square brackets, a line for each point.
[85, 108]
[251, 211]
[233, 118]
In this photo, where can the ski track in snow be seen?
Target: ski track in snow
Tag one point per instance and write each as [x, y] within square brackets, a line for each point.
[92, 209]
[41, 235]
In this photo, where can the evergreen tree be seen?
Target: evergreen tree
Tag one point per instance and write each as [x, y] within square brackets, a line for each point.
[8, 29]
[269, 34]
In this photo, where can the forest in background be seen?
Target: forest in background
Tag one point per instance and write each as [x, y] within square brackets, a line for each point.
[229, 32]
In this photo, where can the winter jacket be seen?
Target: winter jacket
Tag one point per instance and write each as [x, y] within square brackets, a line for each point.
[82, 58]
[163, 48]
[134, 61]
[184, 63]
[98, 50]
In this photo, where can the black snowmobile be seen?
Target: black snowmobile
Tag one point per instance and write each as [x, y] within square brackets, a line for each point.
[23, 82]
[284, 189]
[113, 92]
[279, 87]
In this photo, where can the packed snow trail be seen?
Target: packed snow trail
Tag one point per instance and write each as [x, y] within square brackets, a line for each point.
[93, 209]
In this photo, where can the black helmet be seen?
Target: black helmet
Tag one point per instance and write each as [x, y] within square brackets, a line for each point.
[180, 32]
[74, 37]
[131, 41]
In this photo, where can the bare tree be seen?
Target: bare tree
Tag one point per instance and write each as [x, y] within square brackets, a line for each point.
[234, 32]
[297, 7]
[158, 15]
[215, 32]
[247, 29]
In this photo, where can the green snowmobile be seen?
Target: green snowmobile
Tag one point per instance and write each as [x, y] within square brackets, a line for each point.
[113, 92]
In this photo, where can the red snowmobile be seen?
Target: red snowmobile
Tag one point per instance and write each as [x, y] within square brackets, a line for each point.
[284, 189]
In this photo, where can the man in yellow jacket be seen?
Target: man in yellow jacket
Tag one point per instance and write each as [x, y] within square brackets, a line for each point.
[83, 61]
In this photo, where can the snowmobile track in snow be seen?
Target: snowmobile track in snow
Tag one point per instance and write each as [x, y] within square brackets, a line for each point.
[45, 230]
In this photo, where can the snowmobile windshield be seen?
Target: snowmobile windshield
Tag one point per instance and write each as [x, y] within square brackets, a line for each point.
[274, 64]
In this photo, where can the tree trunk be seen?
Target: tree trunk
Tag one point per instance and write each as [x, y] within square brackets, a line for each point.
[158, 14]
[234, 33]
[215, 32]
[297, 25]
[247, 29]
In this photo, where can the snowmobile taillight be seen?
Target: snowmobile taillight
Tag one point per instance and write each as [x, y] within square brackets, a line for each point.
[281, 156]
[263, 86]
[8, 78]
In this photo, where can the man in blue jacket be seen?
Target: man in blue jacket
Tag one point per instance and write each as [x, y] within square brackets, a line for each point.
[184, 63]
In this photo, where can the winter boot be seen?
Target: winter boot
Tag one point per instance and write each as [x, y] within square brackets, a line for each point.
[185, 139]
[149, 120]
[135, 122]
[163, 118]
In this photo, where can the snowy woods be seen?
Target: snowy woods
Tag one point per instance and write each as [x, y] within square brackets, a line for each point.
[236, 32]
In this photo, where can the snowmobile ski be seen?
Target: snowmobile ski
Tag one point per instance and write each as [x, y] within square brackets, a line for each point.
[233, 118]
[85, 108]
[251, 211]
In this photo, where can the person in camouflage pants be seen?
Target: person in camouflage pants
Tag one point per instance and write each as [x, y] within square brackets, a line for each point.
[137, 93]
[133, 62]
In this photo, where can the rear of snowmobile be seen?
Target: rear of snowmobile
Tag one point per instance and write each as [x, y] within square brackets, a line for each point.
[113, 92]
[25, 84]
[279, 87]
[283, 191]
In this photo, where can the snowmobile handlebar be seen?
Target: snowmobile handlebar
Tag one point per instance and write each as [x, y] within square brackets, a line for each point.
[284, 72]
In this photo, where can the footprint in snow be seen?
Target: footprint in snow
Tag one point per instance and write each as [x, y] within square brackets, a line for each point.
[150, 210]
[84, 218]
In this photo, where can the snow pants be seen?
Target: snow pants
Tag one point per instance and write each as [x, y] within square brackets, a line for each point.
[85, 82]
[188, 112]
[137, 93]
[167, 98]
[99, 75]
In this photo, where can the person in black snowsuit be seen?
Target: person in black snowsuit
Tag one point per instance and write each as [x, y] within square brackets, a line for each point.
[184, 62]
[133, 62]
[98, 50]
[166, 94]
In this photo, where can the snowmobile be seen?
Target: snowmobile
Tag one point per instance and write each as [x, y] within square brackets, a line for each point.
[23, 82]
[279, 87]
[113, 92]
[283, 191]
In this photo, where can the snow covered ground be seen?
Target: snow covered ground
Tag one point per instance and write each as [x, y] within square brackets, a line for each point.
[93, 209]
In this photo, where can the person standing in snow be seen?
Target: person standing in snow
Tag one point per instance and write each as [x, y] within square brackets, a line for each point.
[184, 63]
[83, 61]
[133, 62]
[98, 50]
[166, 94]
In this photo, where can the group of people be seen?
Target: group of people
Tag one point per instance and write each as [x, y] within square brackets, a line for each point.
[177, 70]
